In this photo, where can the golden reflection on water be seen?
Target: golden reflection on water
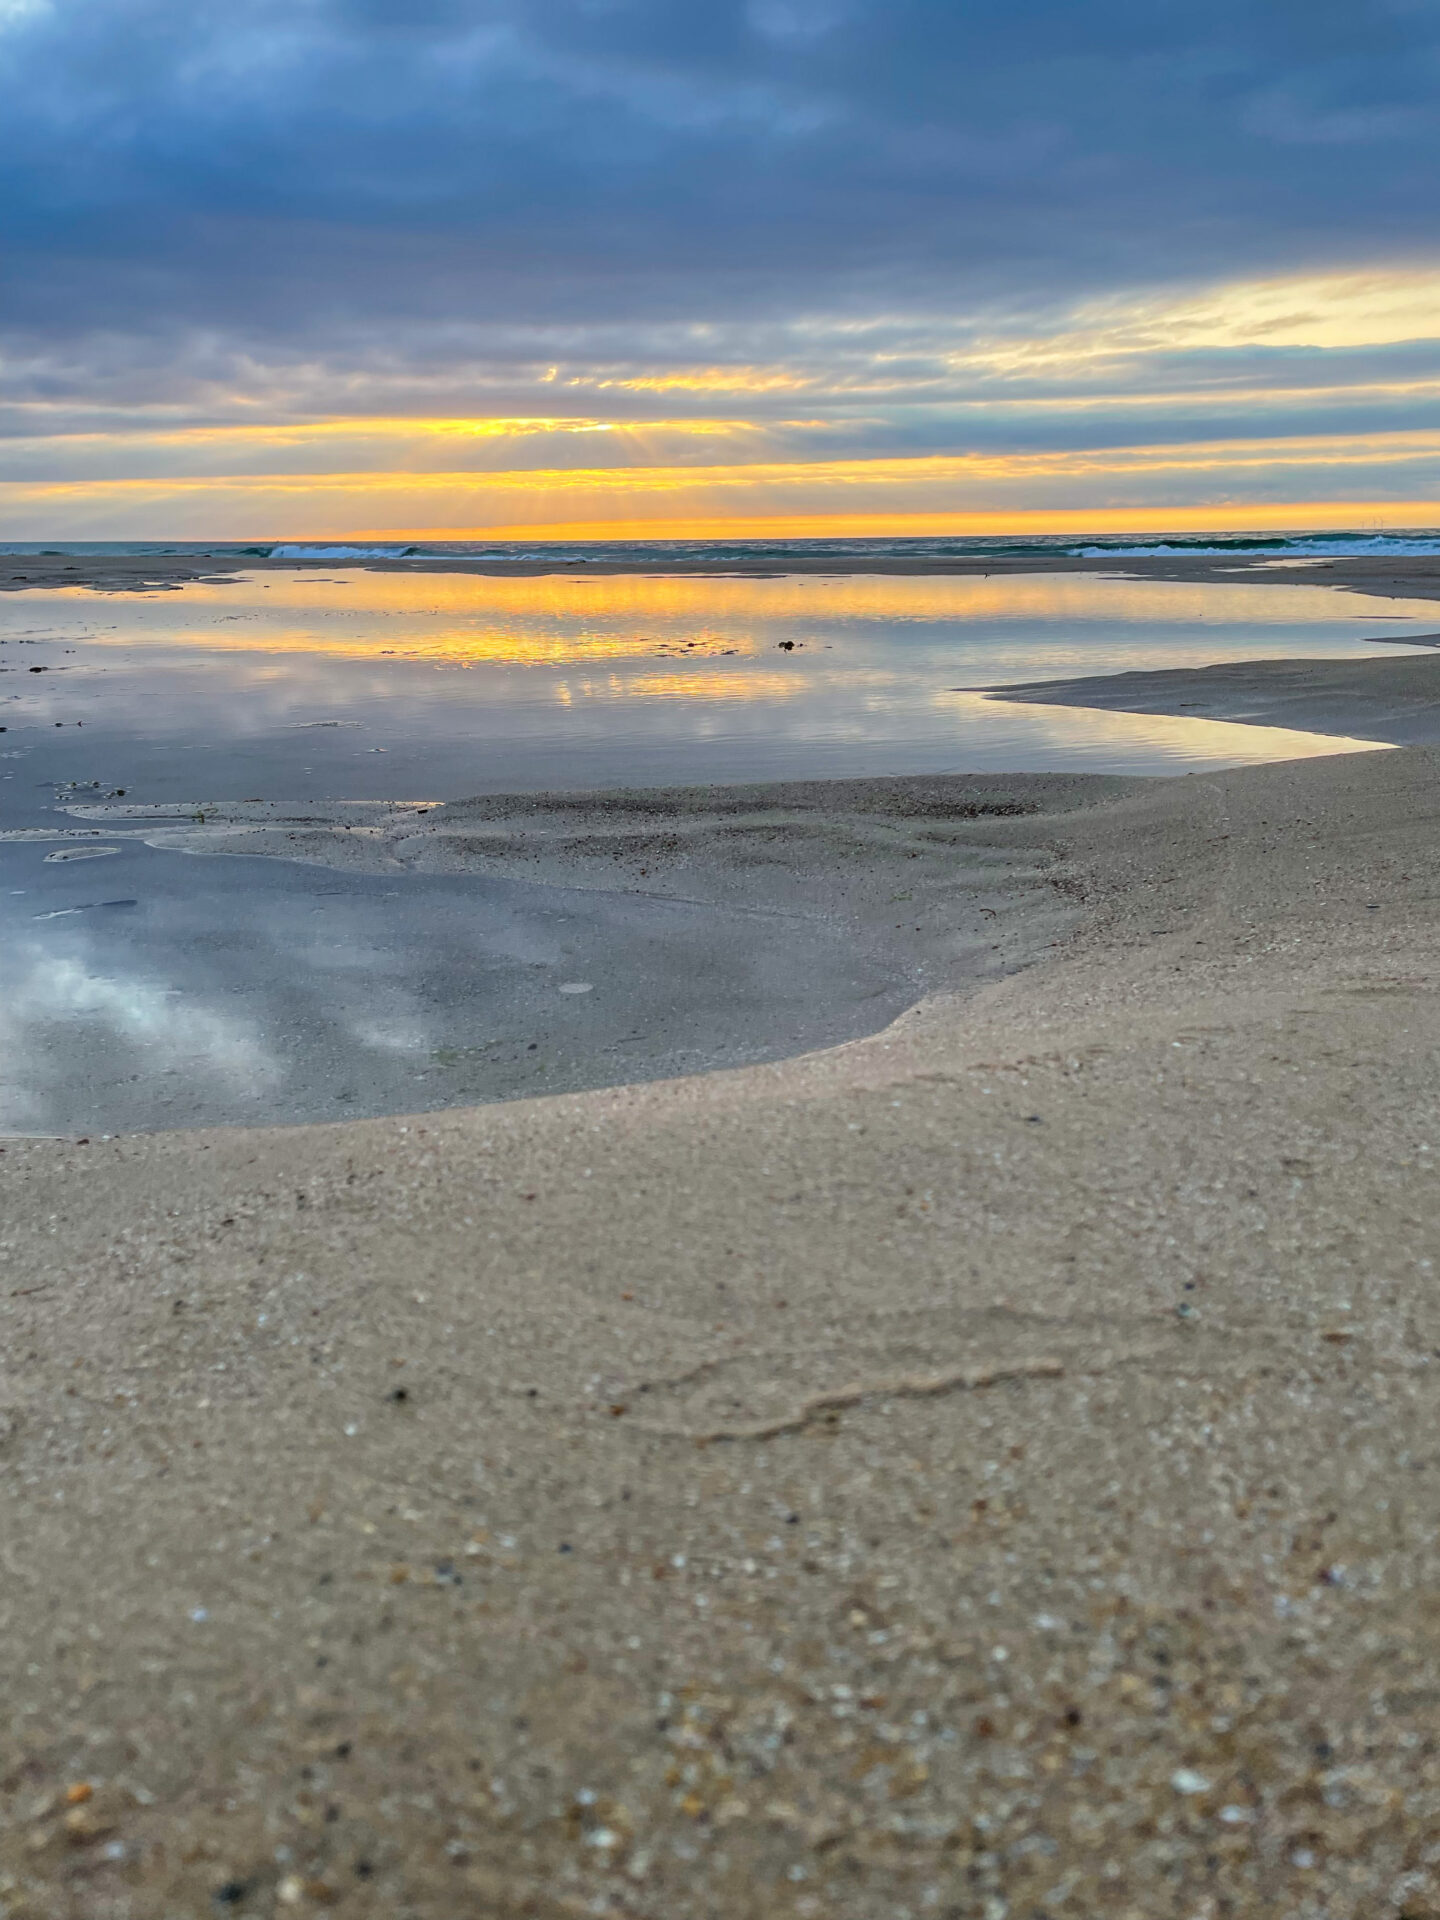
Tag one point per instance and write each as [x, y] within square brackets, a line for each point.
[631, 679]
[1182, 737]
[562, 619]
[707, 686]
[890, 597]
[462, 647]
[868, 651]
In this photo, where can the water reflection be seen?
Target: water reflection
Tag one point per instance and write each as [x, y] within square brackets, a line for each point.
[157, 990]
[1108, 742]
[558, 620]
[143, 988]
[384, 685]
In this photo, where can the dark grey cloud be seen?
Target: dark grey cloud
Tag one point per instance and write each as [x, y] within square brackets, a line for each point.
[355, 177]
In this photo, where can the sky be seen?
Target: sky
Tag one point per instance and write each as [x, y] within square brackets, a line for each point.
[613, 267]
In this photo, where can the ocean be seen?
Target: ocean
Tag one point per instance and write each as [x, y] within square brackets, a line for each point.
[645, 553]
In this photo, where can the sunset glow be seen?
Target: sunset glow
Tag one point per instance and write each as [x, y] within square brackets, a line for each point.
[891, 330]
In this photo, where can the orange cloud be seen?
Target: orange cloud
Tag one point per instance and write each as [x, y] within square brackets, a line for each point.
[710, 380]
[1050, 491]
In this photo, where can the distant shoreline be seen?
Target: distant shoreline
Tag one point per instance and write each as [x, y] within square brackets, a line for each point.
[1387, 576]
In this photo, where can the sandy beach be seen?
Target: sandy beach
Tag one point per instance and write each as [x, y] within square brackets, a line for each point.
[719, 961]
[980, 1468]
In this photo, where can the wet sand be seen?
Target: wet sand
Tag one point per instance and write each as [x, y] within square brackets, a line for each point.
[1392, 700]
[985, 1468]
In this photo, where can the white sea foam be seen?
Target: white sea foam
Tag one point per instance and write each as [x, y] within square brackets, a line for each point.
[1319, 546]
[339, 553]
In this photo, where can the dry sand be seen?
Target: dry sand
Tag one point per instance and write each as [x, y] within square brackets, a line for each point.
[986, 1469]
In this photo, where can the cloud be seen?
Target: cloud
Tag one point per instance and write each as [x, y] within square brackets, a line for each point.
[846, 228]
[281, 168]
[123, 1022]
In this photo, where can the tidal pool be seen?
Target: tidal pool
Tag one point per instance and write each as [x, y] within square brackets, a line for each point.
[373, 685]
[147, 988]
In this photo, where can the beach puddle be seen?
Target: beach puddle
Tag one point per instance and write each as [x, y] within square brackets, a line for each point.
[247, 990]
[379, 686]
[186, 991]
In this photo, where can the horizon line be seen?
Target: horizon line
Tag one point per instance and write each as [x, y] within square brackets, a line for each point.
[1359, 517]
